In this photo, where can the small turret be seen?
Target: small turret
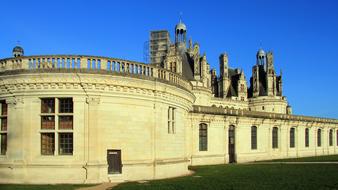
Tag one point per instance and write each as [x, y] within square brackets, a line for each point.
[18, 51]
[260, 57]
[180, 33]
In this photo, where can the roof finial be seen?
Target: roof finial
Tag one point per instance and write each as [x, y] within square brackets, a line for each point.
[181, 16]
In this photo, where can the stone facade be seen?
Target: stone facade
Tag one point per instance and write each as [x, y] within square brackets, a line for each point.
[91, 119]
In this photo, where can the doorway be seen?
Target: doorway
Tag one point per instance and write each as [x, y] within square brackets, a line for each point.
[114, 161]
[232, 158]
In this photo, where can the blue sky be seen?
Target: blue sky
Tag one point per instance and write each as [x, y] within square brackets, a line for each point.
[303, 34]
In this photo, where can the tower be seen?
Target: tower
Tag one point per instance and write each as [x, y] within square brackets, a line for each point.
[173, 61]
[270, 75]
[204, 71]
[242, 87]
[214, 84]
[224, 69]
[18, 51]
[255, 81]
[279, 85]
[258, 74]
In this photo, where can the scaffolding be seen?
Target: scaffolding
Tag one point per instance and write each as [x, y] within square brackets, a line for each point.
[158, 46]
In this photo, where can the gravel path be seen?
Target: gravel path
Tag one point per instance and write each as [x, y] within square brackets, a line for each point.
[102, 186]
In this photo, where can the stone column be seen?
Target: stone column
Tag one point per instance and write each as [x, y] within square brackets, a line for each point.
[297, 139]
[283, 141]
[83, 64]
[16, 132]
[226, 143]
[96, 165]
[104, 64]
[80, 129]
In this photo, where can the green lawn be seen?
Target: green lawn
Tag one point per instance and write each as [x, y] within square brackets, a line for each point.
[258, 176]
[40, 187]
[249, 177]
[329, 158]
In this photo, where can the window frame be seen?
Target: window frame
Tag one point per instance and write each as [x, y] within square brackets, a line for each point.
[58, 130]
[253, 138]
[275, 138]
[292, 137]
[171, 120]
[44, 147]
[45, 102]
[330, 137]
[319, 137]
[65, 145]
[203, 137]
[307, 137]
[3, 128]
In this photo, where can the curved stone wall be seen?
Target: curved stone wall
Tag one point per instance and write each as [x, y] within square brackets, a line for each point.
[124, 110]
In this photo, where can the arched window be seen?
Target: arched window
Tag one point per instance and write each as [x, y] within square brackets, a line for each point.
[203, 137]
[319, 137]
[307, 137]
[275, 137]
[292, 138]
[253, 137]
[331, 137]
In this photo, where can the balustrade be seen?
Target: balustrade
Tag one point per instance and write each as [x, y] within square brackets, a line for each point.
[91, 63]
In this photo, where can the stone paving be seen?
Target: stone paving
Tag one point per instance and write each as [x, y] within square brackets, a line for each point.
[102, 186]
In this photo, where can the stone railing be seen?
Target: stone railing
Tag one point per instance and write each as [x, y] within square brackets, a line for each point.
[91, 63]
[256, 114]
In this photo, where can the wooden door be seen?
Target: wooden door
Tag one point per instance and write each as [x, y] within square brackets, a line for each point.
[232, 158]
[114, 161]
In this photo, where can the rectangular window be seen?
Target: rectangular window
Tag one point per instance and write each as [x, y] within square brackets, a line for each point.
[171, 120]
[56, 124]
[65, 105]
[65, 143]
[47, 105]
[4, 123]
[47, 143]
[3, 139]
[3, 108]
[65, 122]
[47, 122]
[3, 128]
[203, 137]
